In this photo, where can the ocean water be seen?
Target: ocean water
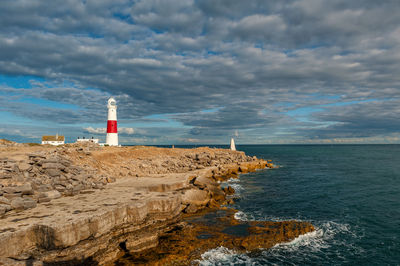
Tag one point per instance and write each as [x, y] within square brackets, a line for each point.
[351, 193]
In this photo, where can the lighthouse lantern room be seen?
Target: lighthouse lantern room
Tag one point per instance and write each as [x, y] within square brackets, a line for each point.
[112, 131]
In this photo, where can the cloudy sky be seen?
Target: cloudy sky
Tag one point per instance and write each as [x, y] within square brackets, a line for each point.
[202, 71]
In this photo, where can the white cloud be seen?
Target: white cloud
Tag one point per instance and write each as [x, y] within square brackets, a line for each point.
[190, 140]
[17, 132]
[96, 130]
[126, 130]
[102, 130]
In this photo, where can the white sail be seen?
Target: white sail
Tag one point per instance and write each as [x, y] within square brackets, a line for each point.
[233, 147]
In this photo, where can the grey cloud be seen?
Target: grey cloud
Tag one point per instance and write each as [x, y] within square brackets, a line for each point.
[239, 116]
[182, 57]
[237, 9]
[259, 27]
[44, 114]
[362, 120]
[89, 18]
[168, 15]
[83, 105]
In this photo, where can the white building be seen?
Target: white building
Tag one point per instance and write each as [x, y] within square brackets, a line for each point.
[53, 140]
[87, 140]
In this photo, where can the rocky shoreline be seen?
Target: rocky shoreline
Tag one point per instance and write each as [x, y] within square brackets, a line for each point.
[196, 234]
[86, 204]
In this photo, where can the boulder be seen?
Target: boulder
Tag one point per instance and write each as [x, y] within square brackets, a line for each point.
[77, 188]
[203, 181]
[271, 165]
[217, 193]
[191, 208]
[53, 194]
[6, 206]
[229, 190]
[17, 204]
[25, 189]
[24, 166]
[5, 175]
[2, 210]
[29, 203]
[110, 179]
[4, 200]
[12, 195]
[65, 162]
[53, 172]
[41, 200]
[195, 197]
[243, 169]
[9, 190]
[36, 156]
[60, 188]
[23, 203]
[53, 165]
[43, 188]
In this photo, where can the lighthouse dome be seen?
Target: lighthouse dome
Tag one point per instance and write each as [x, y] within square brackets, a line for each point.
[112, 102]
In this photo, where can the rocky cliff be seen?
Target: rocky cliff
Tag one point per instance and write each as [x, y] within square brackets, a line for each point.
[85, 204]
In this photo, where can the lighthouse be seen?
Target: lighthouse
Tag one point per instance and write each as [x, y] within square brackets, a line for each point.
[112, 132]
[233, 147]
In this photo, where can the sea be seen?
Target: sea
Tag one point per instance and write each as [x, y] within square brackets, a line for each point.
[350, 193]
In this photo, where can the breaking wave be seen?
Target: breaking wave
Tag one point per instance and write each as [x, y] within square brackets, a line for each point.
[315, 244]
[323, 242]
[235, 184]
[241, 216]
[223, 256]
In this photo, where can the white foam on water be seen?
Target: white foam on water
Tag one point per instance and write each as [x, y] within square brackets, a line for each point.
[233, 180]
[275, 219]
[237, 187]
[316, 240]
[314, 245]
[223, 256]
[241, 216]
[313, 240]
[324, 236]
[216, 255]
[235, 184]
[323, 243]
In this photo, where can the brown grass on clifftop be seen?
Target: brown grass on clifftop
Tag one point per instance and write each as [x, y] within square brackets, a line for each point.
[144, 160]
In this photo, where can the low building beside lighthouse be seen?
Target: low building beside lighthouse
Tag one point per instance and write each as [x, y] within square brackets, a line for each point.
[53, 140]
[112, 130]
[93, 140]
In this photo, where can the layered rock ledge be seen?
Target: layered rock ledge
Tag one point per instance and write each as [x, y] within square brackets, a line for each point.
[196, 234]
[86, 204]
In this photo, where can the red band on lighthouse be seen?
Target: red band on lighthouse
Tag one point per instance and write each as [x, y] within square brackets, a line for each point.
[112, 126]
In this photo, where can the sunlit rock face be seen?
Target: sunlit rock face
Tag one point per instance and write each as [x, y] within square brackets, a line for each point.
[199, 233]
[77, 204]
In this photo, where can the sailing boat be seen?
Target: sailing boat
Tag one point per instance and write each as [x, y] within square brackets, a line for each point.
[233, 147]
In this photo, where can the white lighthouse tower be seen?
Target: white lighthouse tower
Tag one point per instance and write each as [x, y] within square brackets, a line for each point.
[233, 147]
[112, 131]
